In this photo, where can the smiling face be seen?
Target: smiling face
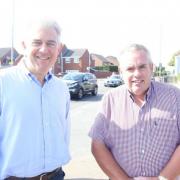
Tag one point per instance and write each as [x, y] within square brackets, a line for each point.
[42, 48]
[137, 70]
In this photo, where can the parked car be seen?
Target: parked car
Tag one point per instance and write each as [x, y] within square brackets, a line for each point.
[81, 83]
[113, 81]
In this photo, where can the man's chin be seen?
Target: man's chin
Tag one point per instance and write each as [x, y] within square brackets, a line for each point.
[138, 92]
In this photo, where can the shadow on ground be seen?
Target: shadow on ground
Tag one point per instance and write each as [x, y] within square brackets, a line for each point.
[89, 97]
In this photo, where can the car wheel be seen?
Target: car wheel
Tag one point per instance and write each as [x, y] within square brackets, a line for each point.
[80, 94]
[95, 91]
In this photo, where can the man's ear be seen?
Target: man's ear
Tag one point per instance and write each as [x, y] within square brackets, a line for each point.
[60, 48]
[153, 67]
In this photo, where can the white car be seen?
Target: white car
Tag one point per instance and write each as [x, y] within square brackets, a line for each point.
[114, 81]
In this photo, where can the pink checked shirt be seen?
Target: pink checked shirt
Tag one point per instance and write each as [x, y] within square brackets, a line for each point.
[142, 140]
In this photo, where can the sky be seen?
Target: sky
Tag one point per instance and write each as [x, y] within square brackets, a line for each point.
[104, 27]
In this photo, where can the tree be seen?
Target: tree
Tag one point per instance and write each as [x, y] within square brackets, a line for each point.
[160, 71]
[172, 60]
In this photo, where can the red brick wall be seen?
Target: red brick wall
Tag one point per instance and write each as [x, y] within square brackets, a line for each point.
[102, 74]
[81, 66]
[84, 62]
[71, 66]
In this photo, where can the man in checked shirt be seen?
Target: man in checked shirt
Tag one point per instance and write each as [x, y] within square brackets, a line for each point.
[136, 133]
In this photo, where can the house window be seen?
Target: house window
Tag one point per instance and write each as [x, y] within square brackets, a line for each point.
[67, 60]
[70, 71]
[76, 60]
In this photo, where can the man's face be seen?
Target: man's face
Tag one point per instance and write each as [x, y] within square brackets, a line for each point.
[42, 49]
[137, 72]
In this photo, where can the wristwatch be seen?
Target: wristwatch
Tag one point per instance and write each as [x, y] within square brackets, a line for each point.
[162, 178]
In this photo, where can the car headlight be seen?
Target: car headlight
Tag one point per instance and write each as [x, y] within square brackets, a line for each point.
[73, 85]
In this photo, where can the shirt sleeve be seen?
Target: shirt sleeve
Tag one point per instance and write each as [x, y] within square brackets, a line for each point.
[0, 95]
[67, 135]
[99, 129]
[178, 110]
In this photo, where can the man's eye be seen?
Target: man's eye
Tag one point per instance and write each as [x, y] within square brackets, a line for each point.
[51, 44]
[142, 67]
[36, 43]
[130, 69]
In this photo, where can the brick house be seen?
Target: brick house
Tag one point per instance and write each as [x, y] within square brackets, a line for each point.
[5, 56]
[113, 60]
[73, 60]
[100, 60]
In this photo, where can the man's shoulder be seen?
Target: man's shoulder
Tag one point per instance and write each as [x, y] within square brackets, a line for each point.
[165, 86]
[59, 82]
[166, 89]
[8, 71]
[119, 89]
[117, 92]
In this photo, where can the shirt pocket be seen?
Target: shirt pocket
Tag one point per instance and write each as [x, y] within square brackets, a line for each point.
[164, 132]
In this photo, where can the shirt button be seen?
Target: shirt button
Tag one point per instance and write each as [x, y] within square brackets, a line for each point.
[142, 151]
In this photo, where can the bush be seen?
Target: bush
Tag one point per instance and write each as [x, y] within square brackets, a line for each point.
[107, 68]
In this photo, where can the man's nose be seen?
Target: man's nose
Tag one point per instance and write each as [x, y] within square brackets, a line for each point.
[136, 71]
[43, 47]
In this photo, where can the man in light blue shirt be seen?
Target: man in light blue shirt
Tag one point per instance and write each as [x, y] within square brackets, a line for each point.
[34, 110]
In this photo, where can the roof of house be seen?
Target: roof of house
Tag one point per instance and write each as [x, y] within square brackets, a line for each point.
[4, 51]
[73, 53]
[99, 57]
[113, 60]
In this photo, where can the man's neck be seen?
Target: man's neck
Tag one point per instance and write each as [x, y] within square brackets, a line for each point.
[139, 100]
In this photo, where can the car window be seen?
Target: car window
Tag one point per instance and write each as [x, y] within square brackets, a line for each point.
[73, 76]
[85, 77]
[93, 76]
[90, 76]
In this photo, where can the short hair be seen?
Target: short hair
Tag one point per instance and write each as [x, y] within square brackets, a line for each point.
[43, 23]
[137, 47]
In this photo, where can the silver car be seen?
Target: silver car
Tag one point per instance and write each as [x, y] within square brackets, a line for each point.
[113, 81]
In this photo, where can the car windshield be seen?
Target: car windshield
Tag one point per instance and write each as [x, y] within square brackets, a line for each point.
[75, 77]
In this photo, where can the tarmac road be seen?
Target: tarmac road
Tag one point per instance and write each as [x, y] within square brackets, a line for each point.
[83, 165]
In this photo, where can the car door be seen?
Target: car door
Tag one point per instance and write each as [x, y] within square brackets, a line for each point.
[92, 81]
[86, 83]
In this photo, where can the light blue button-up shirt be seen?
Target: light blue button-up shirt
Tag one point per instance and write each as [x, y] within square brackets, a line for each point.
[34, 123]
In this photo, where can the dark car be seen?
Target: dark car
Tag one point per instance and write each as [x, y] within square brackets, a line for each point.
[113, 81]
[81, 83]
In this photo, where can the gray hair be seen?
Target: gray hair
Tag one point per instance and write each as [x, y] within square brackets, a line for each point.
[43, 23]
[137, 47]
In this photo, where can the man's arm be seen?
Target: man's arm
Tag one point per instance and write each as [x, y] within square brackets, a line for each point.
[107, 162]
[172, 169]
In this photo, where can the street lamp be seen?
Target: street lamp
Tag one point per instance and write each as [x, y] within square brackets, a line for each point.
[12, 32]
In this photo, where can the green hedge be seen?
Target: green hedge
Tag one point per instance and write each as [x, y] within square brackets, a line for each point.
[106, 68]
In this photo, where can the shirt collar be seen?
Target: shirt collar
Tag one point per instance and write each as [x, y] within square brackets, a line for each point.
[148, 93]
[22, 66]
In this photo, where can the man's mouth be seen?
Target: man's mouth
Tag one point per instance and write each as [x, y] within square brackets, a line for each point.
[137, 82]
[43, 58]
